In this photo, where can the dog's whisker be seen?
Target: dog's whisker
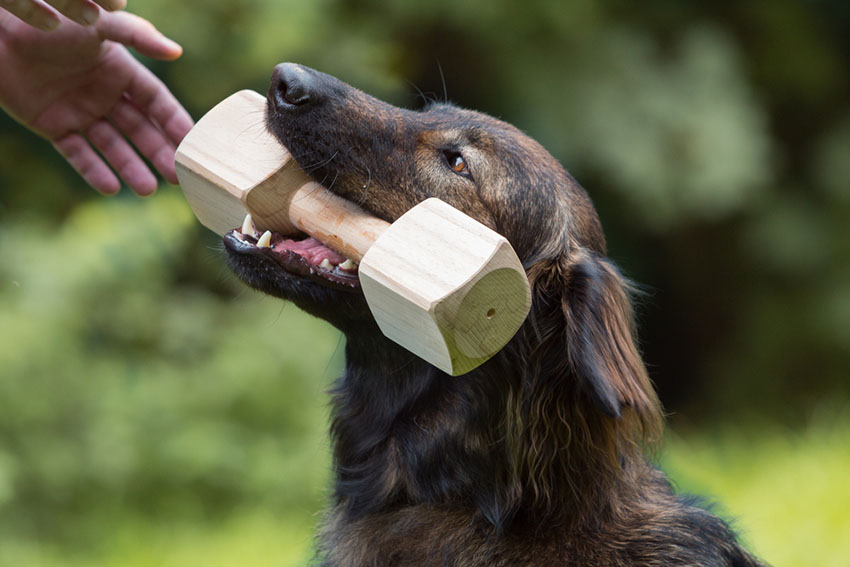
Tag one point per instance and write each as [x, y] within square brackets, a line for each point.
[443, 80]
[319, 187]
[424, 98]
[366, 186]
[332, 183]
[320, 164]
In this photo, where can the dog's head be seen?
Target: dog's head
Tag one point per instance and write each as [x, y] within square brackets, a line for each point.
[387, 159]
[578, 342]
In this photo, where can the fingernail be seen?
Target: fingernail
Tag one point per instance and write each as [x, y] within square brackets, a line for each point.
[90, 14]
[50, 23]
[172, 45]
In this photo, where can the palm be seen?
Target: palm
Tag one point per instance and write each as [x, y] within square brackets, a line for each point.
[76, 87]
[73, 81]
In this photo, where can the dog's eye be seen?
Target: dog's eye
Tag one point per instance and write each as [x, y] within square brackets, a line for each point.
[456, 162]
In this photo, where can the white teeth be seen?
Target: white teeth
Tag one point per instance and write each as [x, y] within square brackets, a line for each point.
[326, 264]
[349, 264]
[248, 228]
[265, 240]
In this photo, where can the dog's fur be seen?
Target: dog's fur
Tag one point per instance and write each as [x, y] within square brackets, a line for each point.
[536, 458]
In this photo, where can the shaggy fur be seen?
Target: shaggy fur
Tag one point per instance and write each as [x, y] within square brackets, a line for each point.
[540, 456]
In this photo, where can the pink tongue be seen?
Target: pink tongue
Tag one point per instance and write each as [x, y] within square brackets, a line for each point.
[311, 249]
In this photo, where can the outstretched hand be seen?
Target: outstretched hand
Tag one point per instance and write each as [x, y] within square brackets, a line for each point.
[39, 14]
[79, 87]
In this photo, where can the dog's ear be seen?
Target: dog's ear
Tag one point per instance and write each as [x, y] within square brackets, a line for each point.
[601, 337]
[585, 403]
[583, 306]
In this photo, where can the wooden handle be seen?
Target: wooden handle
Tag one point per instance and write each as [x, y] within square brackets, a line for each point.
[228, 168]
[336, 222]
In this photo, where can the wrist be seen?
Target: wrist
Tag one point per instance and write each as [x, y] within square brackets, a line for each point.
[10, 27]
[6, 21]
[5, 62]
[4, 27]
[9, 65]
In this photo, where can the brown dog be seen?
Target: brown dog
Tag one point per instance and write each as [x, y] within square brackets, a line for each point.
[538, 457]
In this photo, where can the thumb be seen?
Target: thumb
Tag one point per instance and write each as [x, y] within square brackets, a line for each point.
[138, 33]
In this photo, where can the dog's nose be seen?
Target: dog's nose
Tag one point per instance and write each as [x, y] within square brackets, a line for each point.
[292, 85]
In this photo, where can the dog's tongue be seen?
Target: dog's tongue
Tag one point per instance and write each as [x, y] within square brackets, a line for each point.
[311, 250]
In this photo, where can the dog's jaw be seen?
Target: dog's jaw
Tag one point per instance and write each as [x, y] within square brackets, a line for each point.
[346, 309]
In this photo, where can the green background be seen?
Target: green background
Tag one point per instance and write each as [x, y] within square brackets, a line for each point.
[156, 412]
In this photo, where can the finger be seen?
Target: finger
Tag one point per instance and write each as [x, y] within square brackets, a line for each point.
[156, 102]
[149, 139]
[112, 5]
[84, 12]
[122, 157]
[33, 12]
[138, 33]
[77, 151]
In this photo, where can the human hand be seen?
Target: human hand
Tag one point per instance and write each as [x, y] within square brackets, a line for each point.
[80, 88]
[39, 14]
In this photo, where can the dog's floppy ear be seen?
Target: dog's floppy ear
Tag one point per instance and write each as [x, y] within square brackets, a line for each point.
[585, 401]
[601, 337]
[583, 305]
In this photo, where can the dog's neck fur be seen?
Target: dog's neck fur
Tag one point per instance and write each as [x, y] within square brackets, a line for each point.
[405, 434]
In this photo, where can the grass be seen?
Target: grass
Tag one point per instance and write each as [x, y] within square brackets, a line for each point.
[246, 539]
[786, 492]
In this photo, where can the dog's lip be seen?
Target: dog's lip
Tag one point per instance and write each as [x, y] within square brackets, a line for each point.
[302, 256]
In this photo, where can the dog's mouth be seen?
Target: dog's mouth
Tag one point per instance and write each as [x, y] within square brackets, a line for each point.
[298, 255]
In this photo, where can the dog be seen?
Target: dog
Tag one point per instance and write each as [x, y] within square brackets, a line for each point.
[542, 455]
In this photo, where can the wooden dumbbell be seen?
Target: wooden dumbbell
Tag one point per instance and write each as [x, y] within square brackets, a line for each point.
[438, 282]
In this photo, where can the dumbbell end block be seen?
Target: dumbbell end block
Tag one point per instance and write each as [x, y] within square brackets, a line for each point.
[448, 288]
[229, 165]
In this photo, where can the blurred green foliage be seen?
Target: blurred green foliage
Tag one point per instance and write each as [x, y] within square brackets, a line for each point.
[130, 393]
[157, 413]
[784, 490]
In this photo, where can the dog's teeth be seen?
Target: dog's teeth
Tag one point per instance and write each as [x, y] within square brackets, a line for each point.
[248, 228]
[265, 240]
[326, 264]
[349, 264]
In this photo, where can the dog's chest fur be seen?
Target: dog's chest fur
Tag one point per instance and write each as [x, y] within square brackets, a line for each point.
[667, 532]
